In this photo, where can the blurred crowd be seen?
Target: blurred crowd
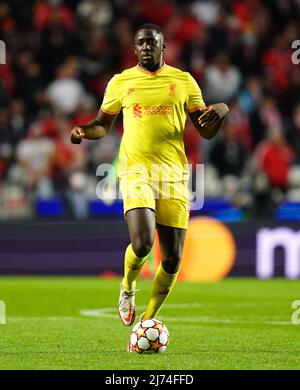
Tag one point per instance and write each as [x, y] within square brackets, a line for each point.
[61, 54]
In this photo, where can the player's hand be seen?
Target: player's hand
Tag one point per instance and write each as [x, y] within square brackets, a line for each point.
[76, 135]
[212, 114]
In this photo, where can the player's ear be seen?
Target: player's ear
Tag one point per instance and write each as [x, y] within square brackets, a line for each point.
[164, 46]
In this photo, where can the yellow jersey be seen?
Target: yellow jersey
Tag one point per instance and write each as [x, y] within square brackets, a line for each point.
[154, 106]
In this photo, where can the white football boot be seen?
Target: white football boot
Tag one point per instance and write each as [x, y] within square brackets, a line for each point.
[126, 308]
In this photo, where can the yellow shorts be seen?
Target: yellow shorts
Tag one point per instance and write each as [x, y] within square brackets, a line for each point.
[169, 200]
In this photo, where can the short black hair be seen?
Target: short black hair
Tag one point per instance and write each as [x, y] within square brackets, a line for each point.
[150, 26]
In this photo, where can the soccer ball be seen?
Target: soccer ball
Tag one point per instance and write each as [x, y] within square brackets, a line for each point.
[149, 336]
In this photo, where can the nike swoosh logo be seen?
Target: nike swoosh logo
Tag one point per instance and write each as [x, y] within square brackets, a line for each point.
[127, 319]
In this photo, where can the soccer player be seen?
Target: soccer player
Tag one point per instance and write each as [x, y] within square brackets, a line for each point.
[154, 98]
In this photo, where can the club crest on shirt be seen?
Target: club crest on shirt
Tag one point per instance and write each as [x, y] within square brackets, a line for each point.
[172, 89]
[130, 90]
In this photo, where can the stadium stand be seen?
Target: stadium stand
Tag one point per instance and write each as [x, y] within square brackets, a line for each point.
[60, 55]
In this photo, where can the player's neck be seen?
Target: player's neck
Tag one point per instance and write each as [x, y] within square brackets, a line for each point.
[153, 68]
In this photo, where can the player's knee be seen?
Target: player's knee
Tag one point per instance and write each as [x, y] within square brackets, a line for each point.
[142, 246]
[171, 263]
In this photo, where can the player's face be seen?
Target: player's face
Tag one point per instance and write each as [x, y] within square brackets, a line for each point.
[148, 48]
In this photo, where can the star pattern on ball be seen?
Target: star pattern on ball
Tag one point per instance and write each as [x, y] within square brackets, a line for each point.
[141, 332]
[158, 326]
[137, 349]
[154, 345]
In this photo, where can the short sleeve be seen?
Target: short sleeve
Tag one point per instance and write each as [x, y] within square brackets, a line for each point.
[111, 103]
[194, 100]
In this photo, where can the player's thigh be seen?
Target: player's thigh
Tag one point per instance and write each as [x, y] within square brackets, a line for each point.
[141, 226]
[136, 192]
[172, 208]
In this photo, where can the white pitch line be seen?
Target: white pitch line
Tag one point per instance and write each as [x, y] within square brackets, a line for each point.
[110, 312]
[105, 311]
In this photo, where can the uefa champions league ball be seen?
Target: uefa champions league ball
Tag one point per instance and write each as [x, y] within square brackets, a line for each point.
[149, 336]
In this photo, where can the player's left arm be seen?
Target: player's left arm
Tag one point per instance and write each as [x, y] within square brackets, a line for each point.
[208, 121]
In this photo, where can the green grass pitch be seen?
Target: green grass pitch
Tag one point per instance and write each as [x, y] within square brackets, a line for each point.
[71, 323]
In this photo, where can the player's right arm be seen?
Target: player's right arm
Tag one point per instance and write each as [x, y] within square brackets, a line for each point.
[101, 125]
[96, 129]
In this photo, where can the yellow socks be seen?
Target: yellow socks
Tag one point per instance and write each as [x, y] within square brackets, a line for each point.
[132, 267]
[162, 285]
